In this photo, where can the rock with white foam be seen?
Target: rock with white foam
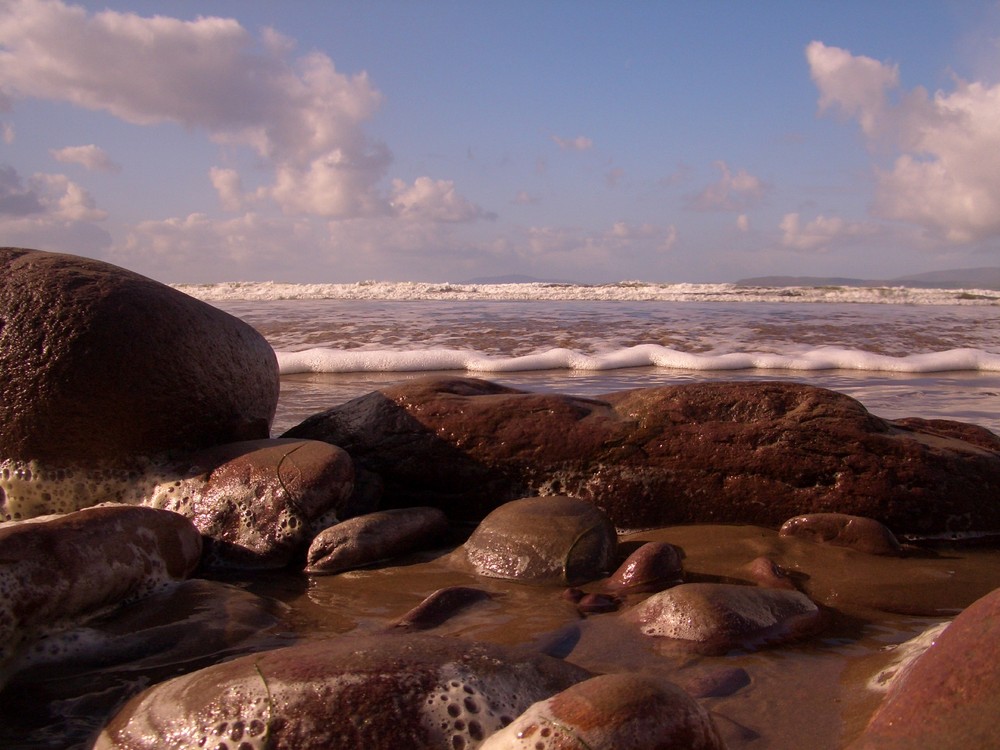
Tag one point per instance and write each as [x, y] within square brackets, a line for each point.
[719, 617]
[102, 368]
[615, 711]
[389, 691]
[258, 503]
[57, 571]
[544, 540]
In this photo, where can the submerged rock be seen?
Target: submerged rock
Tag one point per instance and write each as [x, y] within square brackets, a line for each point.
[739, 452]
[543, 540]
[718, 617]
[391, 691]
[653, 567]
[619, 711]
[842, 530]
[57, 571]
[949, 697]
[374, 537]
[67, 685]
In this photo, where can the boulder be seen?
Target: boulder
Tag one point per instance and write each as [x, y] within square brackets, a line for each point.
[374, 537]
[56, 571]
[259, 503]
[739, 452]
[619, 711]
[545, 540]
[843, 530]
[99, 366]
[719, 617]
[388, 691]
[949, 697]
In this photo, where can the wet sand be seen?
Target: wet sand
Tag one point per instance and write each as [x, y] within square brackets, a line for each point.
[816, 692]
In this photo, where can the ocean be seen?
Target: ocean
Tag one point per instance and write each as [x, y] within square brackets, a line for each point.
[932, 353]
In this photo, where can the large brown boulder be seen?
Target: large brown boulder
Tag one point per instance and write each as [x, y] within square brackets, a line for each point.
[388, 691]
[740, 452]
[99, 364]
[949, 697]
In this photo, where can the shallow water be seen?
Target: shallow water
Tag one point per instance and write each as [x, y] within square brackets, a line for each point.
[812, 693]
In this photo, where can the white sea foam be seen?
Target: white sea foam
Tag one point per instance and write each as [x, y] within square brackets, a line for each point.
[623, 291]
[645, 355]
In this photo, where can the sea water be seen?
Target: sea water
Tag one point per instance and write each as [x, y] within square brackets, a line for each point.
[931, 353]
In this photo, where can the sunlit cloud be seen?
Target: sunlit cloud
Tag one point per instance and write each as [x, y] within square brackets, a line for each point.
[821, 233]
[731, 192]
[90, 156]
[580, 143]
[946, 174]
[434, 200]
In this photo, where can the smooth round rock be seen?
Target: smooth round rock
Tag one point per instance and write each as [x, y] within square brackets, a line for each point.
[99, 365]
[544, 540]
[843, 530]
[389, 691]
[615, 711]
[717, 617]
[373, 537]
[949, 697]
[653, 567]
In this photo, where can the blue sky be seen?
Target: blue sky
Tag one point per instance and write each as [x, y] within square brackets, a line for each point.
[441, 141]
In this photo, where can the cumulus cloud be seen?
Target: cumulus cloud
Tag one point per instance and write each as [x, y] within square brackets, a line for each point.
[580, 143]
[15, 198]
[821, 232]
[90, 156]
[303, 118]
[731, 192]
[433, 200]
[945, 174]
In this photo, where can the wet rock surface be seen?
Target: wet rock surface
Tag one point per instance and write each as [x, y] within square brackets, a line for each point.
[258, 503]
[543, 540]
[741, 452]
[57, 571]
[83, 387]
[949, 697]
[626, 712]
[843, 530]
[374, 537]
[396, 690]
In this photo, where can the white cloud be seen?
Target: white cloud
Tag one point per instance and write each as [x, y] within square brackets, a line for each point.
[7, 132]
[743, 223]
[946, 174]
[524, 198]
[90, 156]
[301, 115]
[731, 192]
[433, 200]
[821, 232]
[580, 143]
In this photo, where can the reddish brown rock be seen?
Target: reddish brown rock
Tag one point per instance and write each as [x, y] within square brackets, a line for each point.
[842, 530]
[391, 691]
[374, 537]
[259, 502]
[741, 452]
[101, 368]
[620, 711]
[100, 362]
[718, 617]
[949, 698]
[56, 570]
[653, 567]
[543, 540]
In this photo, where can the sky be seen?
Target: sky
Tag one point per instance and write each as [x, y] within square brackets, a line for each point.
[437, 140]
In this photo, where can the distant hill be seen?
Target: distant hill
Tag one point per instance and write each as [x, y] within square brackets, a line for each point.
[956, 278]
